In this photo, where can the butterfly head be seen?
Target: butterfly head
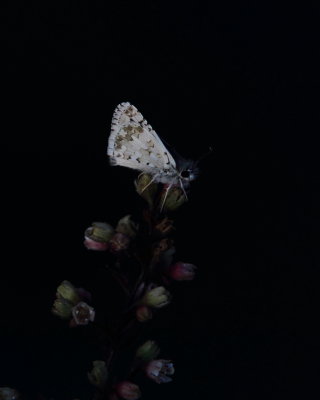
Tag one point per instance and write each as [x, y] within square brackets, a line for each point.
[188, 171]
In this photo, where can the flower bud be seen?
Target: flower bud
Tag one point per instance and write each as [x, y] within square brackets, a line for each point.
[157, 297]
[127, 226]
[97, 236]
[7, 393]
[146, 189]
[99, 374]
[62, 308]
[175, 198]
[143, 313]
[82, 313]
[119, 242]
[128, 390]
[99, 231]
[68, 292]
[158, 370]
[96, 246]
[148, 351]
[181, 271]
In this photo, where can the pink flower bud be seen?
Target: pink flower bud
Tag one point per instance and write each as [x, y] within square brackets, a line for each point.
[158, 370]
[93, 245]
[82, 313]
[128, 390]
[99, 374]
[181, 271]
[119, 242]
[97, 236]
[143, 313]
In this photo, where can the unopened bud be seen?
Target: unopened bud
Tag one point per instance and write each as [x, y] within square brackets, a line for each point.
[97, 236]
[99, 374]
[148, 351]
[62, 308]
[128, 390]
[145, 188]
[99, 231]
[172, 199]
[181, 271]
[127, 226]
[157, 297]
[96, 246]
[68, 292]
[143, 313]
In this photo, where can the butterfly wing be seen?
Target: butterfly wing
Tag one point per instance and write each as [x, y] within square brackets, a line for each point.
[134, 144]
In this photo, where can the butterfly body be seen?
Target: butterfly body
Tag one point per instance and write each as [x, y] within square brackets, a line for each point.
[134, 144]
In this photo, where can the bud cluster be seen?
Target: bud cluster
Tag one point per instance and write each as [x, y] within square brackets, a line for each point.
[69, 304]
[101, 236]
[148, 248]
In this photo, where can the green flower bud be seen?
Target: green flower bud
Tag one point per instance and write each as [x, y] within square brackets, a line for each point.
[99, 374]
[99, 232]
[127, 226]
[62, 308]
[68, 292]
[148, 351]
[175, 198]
[157, 297]
[146, 189]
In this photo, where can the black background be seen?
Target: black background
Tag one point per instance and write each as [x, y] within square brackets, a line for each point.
[242, 77]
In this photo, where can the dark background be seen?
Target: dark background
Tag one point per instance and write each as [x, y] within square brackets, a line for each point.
[242, 77]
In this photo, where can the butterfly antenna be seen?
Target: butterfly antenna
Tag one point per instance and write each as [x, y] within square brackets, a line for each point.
[205, 155]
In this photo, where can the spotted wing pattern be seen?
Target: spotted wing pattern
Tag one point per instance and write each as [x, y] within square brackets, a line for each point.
[134, 144]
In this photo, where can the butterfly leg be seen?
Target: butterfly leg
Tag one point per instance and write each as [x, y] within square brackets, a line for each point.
[152, 180]
[182, 187]
[165, 197]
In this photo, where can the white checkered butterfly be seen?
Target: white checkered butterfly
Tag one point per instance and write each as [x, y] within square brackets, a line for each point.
[134, 144]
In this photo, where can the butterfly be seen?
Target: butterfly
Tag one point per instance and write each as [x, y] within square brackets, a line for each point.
[134, 144]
